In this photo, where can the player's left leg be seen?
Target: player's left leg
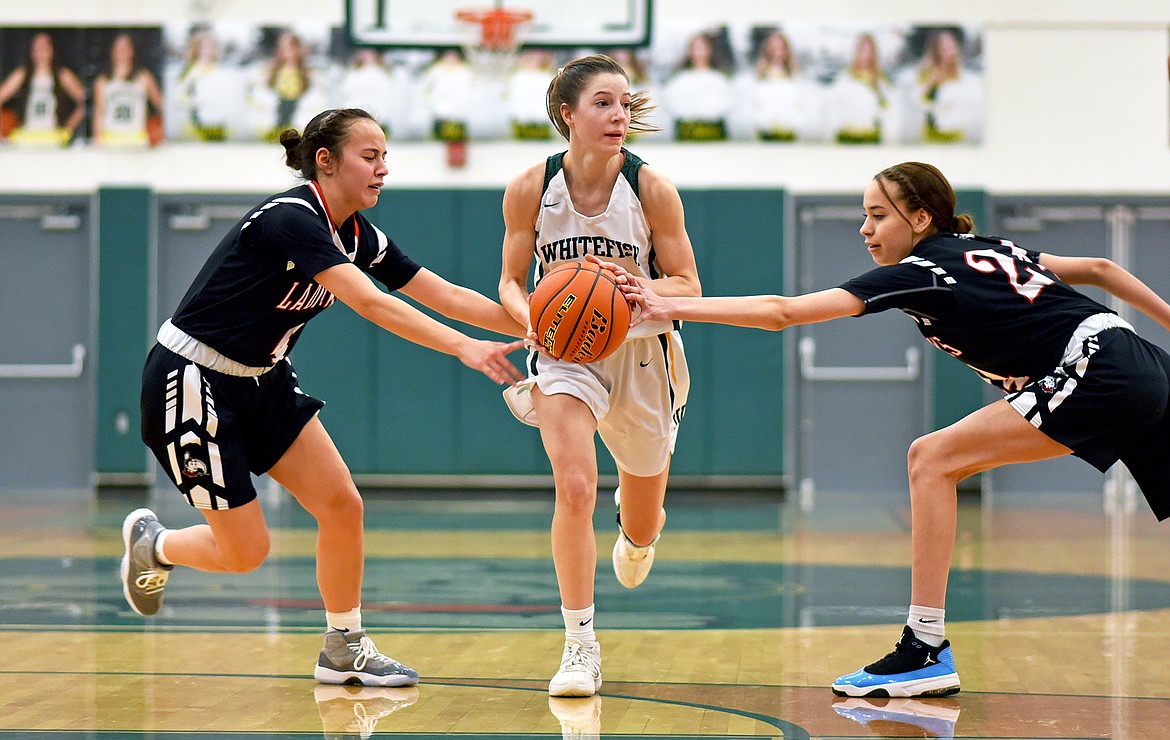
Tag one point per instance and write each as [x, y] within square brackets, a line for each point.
[921, 663]
[314, 473]
[233, 541]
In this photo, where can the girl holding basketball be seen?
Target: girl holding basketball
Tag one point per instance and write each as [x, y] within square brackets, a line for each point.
[597, 199]
[220, 398]
[1077, 379]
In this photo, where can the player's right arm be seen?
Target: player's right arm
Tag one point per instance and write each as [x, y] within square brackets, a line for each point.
[1113, 279]
[771, 312]
[521, 207]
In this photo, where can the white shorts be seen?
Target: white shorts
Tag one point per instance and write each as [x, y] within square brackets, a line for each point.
[638, 396]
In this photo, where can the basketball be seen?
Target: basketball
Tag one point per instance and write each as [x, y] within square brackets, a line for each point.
[578, 312]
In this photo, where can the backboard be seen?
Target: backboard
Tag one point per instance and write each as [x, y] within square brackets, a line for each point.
[555, 23]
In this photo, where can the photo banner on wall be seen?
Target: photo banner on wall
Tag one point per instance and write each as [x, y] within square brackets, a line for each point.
[764, 81]
[72, 85]
[820, 82]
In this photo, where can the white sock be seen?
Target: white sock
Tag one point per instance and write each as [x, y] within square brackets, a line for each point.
[928, 623]
[579, 623]
[350, 621]
[159, 555]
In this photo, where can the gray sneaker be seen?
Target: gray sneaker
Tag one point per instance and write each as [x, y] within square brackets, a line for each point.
[143, 576]
[351, 657]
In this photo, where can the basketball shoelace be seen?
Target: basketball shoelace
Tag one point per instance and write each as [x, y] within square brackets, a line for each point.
[577, 657]
[364, 651]
[151, 582]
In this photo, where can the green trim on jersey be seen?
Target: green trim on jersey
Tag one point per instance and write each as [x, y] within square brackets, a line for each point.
[556, 162]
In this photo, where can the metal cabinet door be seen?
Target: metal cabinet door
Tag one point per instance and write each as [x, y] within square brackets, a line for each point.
[1060, 226]
[860, 384]
[46, 381]
[1148, 231]
[189, 228]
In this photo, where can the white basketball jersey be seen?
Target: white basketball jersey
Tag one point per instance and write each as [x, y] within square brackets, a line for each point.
[619, 234]
[41, 109]
[124, 122]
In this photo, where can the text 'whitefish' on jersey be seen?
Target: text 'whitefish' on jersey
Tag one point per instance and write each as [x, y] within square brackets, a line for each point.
[575, 247]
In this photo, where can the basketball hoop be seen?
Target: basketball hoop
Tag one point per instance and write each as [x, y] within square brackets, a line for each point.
[492, 51]
[489, 45]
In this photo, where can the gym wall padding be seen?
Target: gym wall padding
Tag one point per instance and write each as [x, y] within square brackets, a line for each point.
[125, 233]
[396, 409]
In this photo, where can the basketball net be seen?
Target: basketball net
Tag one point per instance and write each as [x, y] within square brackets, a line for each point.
[491, 42]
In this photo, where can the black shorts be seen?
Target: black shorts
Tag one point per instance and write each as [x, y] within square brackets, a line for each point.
[211, 431]
[1108, 403]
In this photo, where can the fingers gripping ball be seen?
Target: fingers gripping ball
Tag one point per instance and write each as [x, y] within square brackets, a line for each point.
[578, 312]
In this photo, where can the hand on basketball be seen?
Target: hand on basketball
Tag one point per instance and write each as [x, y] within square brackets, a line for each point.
[532, 342]
[634, 289]
[651, 306]
[625, 282]
[621, 277]
[491, 359]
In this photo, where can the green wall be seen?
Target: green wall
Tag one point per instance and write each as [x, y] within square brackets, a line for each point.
[395, 408]
[124, 233]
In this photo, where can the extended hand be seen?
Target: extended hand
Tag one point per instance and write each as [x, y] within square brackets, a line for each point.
[491, 359]
[623, 279]
[650, 306]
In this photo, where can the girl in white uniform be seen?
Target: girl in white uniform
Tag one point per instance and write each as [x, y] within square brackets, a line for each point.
[45, 100]
[123, 98]
[598, 199]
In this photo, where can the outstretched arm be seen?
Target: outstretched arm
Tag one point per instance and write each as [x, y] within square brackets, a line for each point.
[771, 312]
[1113, 279]
[460, 303]
[355, 289]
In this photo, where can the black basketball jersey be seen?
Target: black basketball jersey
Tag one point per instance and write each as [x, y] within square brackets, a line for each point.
[256, 291]
[984, 300]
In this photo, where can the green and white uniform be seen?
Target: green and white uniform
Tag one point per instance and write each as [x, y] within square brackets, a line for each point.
[638, 394]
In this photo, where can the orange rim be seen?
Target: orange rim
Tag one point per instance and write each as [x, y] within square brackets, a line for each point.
[498, 24]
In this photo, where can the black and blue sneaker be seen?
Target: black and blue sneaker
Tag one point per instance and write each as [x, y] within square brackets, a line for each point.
[912, 669]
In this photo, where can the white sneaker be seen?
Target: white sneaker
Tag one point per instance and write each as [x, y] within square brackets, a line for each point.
[580, 672]
[580, 717]
[631, 563]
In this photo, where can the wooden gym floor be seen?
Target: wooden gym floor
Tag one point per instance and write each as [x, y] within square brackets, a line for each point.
[1060, 620]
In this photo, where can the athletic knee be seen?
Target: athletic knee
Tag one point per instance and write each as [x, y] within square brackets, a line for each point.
[928, 460]
[337, 504]
[246, 556]
[923, 458]
[343, 504]
[577, 493]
